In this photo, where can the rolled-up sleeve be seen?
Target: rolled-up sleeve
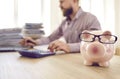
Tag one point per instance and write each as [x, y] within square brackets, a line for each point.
[43, 41]
[74, 47]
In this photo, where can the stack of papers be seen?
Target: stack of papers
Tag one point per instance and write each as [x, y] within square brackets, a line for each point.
[10, 37]
[33, 30]
[10, 30]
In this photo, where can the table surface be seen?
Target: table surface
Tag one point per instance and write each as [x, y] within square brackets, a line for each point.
[65, 66]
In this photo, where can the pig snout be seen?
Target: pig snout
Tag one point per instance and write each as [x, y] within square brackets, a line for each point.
[96, 50]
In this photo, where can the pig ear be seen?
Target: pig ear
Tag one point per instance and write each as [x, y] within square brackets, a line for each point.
[107, 34]
[85, 34]
[85, 31]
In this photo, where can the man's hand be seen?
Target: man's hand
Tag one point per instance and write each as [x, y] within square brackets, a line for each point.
[28, 42]
[59, 45]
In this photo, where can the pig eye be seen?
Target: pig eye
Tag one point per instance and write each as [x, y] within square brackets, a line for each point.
[87, 37]
[107, 39]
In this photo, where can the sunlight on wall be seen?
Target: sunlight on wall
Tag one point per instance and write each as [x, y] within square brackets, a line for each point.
[29, 11]
[104, 11]
[117, 20]
[46, 16]
[6, 14]
[56, 15]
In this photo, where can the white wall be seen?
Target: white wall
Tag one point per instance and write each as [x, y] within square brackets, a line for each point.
[56, 14]
[117, 20]
[46, 15]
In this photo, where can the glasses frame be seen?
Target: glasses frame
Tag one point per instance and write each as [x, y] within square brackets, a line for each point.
[99, 39]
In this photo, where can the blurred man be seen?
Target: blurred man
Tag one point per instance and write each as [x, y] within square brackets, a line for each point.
[66, 36]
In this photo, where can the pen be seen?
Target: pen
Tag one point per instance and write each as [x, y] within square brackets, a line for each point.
[29, 41]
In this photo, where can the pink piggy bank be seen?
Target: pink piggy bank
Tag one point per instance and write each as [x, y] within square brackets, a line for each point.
[97, 47]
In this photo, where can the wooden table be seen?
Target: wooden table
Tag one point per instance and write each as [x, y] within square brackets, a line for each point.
[66, 66]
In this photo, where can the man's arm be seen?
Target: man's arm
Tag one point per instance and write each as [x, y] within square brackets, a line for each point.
[44, 40]
[93, 23]
[54, 36]
[74, 47]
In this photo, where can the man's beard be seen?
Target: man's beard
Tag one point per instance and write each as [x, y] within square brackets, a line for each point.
[68, 12]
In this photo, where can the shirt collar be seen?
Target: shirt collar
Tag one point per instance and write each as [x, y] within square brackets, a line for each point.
[77, 15]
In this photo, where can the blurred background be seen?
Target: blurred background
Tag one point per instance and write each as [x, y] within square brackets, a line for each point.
[15, 13]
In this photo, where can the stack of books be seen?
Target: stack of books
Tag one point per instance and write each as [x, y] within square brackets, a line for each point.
[10, 37]
[33, 30]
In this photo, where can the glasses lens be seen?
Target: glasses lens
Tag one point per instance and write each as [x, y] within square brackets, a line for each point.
[108, 39]
[87, 37]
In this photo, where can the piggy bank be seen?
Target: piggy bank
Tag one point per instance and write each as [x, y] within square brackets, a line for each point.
[97, 47]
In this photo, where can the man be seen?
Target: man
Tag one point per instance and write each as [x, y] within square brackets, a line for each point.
[66, 37]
